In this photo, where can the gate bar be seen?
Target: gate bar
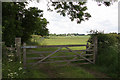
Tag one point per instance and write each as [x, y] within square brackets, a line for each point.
[48, 56]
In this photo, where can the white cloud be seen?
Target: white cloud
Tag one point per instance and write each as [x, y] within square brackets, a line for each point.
[103, 18]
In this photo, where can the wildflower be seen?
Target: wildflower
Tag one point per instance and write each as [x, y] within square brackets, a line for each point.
[23, 72]
[16, 73]
[10, 60]
[20, 68]
[20, 62]
[11, 55]
[10, 75]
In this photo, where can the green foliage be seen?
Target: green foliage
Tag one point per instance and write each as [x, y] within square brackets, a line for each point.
[13, 70]
[42, 30]
[104, 40]
[11, 67]
[21, 22]
[75, 11]
[107, 55]
[106, 3]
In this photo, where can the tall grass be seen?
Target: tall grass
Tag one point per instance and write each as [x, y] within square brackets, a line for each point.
[107, 56]
[108, 61]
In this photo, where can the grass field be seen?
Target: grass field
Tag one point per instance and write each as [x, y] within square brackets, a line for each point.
[61, 40]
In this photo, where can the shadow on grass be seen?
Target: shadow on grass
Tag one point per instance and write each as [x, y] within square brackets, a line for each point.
[32, 43]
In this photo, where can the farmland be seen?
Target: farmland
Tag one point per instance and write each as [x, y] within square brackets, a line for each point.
[61, 40]
[67, 40]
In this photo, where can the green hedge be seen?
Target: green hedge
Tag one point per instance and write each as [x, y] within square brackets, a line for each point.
[107, 52]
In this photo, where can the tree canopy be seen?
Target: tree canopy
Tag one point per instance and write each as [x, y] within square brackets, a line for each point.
[21, 22]
[75, 11]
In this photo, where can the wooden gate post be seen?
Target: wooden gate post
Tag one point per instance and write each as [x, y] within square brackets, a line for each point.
[24, 56]
[95, 50]
[18, 47]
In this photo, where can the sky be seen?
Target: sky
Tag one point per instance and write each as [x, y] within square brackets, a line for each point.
[103, 19]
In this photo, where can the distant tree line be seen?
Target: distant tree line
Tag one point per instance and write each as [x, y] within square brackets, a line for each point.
[69, 34]
[77, 34]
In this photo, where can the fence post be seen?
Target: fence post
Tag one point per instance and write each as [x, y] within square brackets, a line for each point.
[24, 56]
[95, 50]
[18, 47]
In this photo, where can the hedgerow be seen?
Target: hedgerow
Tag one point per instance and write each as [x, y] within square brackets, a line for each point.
[107, 55]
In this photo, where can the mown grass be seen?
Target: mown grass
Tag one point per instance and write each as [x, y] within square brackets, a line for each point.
[52, 70]
[66, 40]
[62, 40]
